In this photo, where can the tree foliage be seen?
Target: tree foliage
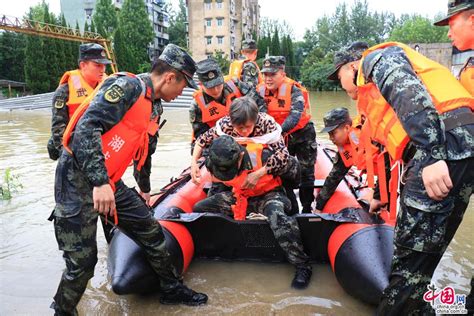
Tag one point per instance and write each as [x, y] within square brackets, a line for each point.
[418, 29]
[133, 36]
[223, 60]
[177, 29]
[105, 18]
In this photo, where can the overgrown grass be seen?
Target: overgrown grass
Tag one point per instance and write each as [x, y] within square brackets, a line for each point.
[11, 184]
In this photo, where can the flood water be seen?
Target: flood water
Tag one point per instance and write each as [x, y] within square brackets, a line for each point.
[31, 264]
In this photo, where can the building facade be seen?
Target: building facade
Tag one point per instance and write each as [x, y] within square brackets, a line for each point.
[220, 25]
[83, 10]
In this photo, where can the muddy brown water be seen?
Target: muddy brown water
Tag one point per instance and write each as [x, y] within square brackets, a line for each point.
[31, 264]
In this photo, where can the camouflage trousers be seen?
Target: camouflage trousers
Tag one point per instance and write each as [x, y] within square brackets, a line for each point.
[423, 231]
[302, 144]
[271, 204]
[75, 225]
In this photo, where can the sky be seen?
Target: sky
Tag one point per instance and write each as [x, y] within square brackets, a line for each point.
[300, 15]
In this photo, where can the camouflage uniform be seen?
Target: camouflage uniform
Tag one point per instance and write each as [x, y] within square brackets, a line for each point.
[301, 143]
[75, 219]
[273, 204]
[424, 226]
[250, 70]
[59, 121]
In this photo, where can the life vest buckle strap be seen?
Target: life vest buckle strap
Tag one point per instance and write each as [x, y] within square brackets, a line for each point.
[458, 120]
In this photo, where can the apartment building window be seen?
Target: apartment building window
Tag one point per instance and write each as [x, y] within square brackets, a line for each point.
[220, 40]
[208, 40]
[208, 22]
[219, 4]
[207, 4]
[220, 21]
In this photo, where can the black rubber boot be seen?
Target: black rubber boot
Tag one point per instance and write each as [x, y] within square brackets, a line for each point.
[302, 277]
[183, 295]
[306, 198]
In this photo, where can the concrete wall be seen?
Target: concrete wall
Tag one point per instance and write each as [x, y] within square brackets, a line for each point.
[439, 52]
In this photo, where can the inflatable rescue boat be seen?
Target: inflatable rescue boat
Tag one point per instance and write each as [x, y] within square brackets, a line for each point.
[358, 245]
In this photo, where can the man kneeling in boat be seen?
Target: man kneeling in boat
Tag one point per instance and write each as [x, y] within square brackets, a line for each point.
[251, 172]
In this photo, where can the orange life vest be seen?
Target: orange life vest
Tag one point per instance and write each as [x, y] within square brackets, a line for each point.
[466, 78]
[280, 106]
[382, 124]
[79, 89]
[127, 140]
[265, 184]
[237, 66]
[211, 112]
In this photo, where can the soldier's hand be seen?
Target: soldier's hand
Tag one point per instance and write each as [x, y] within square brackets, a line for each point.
[146, 197]
[104, 199]
[195, 173]
[375, 206]
[437, 180]
[252, 178]
[316, 211]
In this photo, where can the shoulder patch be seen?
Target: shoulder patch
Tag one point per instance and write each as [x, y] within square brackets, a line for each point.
[59, 103]
[114, 93]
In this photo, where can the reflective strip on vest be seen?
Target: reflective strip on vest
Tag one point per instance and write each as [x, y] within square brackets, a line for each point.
[280, 107]
[79, 89]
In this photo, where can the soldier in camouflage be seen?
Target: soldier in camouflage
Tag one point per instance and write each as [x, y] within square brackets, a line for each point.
[215, 88]
[438, 178]
[82, 186]
[248, 68]
[301, 141]
[92, 64]
[227, 159]
[460, 19]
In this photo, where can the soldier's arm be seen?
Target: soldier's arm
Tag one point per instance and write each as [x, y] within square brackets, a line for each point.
[59, 118]
[195, 118]
[393, 74]
[251, 92]
[338, 171]
[250, 74]
[297, 108]
[104, 112]
[277, 162]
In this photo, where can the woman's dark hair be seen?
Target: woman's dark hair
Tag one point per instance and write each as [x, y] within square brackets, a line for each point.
[243, 110]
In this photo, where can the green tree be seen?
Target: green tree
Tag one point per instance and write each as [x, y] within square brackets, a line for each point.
[275, 48]
[418, 29]
[105, 18]
[12, 56]
[51, 48]
[36, 68]
[315, 70]
[135, 34]
[177, 30]
[223, 60]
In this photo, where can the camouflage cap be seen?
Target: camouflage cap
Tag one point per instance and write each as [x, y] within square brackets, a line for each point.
[346, 55]
[334, 118]
[249, 44]
[454, 7]
[93, 52]
[223, 158]
[209, 73]
[273, 64]
[177, 58]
